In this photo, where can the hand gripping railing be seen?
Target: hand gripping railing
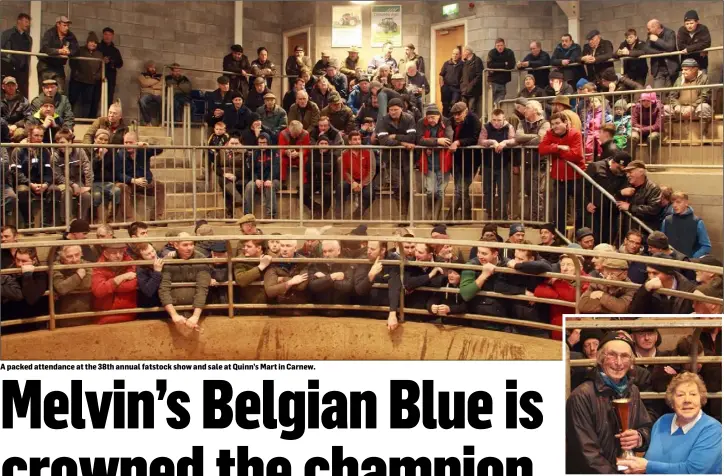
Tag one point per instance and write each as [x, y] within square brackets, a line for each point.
[621, 59]
[693, 359]
[577, 279]
[104, 81]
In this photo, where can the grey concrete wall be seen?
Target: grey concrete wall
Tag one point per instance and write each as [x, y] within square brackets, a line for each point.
[9, 12]
[613, 18]
[263, 24]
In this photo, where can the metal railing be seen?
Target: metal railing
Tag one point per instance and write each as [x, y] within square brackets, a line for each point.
[658, 135]
[393, 262]
[715, 321]
[617, 60]
[104, 81]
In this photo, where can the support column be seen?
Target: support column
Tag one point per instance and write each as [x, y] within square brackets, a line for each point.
[239, 23]
[572, 9]
[36, 32]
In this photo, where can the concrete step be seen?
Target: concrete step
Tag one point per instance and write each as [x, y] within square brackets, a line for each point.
[176, 162]
[177, 175]
[203, 200]
[159, 141]
[693, 130]
[187, 213]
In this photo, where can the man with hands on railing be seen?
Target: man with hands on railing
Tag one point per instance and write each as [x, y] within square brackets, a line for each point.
[647, 301]
[471, 284]
[237, 62]
[632, 47]
[286, 282]
[593, 432]
[419, 276]
[564, 55]
[33, 285]
[365, 276]
[263, 67]
[662, 40]
[330, 282]
[246, 273]
[149, 277]
[609, 298]
[76, 281]
[692, 38]
[597, 56]
[58, 43]
[642, 198]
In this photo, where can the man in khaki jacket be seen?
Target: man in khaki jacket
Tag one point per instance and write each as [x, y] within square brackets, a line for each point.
[287, 282]
[248, 272]
[73, 286]
[151, 83]
[606, 299]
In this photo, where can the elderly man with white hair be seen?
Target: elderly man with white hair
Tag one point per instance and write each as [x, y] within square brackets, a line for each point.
[304, 111]
[113, 123]
[594, 440]
[176, 269]
[331, 282]
[471, 83]
[133, 170]
[286, 282]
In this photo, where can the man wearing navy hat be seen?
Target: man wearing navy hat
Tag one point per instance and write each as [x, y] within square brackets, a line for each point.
[597, 55]
[593, 436]
[237, 62]
[692, 38]
[218, 101]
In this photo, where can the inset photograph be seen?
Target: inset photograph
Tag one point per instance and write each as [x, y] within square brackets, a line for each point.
[643, 395]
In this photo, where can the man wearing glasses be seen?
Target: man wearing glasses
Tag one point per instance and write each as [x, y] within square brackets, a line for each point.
[593, 435]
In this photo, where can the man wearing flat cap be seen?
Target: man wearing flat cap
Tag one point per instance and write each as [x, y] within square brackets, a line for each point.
[695, 103]
[609, 174]
[320, 67]
[642, 197]
[609, 298]
[648, 301]
[351, 67]
[295, 63]
[218, 101]
[58, 43]
[597, 55]
[692, 38]
[594, 438]
[237, 62]
[273, 117]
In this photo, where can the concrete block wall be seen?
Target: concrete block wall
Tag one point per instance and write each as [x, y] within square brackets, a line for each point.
[9, 12]
[613, 18]
[263, 25]
[194, 34]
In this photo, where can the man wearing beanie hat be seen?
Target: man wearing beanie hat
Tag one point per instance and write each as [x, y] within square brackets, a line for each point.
[360, 93]
[658, 242]
[692, 38]
[435, 134]
[648, 301]
[112, 60]
[661, 39]
[690, 103]
[590, 340]
[237, 117]
[530, 89]
[605, 298]
[84, 90]
[218, 101]
[593, 437]
[612, 81]
[151, 84]
[237, 62]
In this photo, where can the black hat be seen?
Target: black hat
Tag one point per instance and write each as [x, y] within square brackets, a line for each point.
[691, 15]
[613, 335]
[442, 229]
[218, 246]
[658, 240]
[581, 233]
[647, 329]
[361, 230]
[237, 48]
[493, 228]
[592, 33]
[109, 29]
[396, 102]
[609, 75]
[264, 135]
[555, 75]
[222, 80]
[253, 117]
[548, 226]
[236, 94]
[622, 158]
[591, 334]
[322, 137]
[660, 268]
[79, 226]
[708, 260]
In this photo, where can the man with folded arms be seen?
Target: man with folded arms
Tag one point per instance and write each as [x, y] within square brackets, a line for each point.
[287, 282]
[330, 282]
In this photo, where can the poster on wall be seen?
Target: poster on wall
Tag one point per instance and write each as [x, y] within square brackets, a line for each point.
[386, 25]
[346, 26]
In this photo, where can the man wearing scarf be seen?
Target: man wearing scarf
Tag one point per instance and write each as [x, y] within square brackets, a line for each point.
[594, 438]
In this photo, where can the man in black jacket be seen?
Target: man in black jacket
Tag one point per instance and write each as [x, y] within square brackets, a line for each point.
[237, 62]
[376, 273]
[609, 174]
[59, 43]
[466, 130]
[593, 435]
[642, 198]
[219, 101]
[33, 285]
[112, 59]
[648, 301]
[597, 55]
[661, 39]
[632, 47]
[471, 82]
[15, 107]
[395, 129]
[566, 53]
[422, 276]
[450, 77]
[331, 283]
[692, 38]
[537, 58]
[17, 38]
[500, 57]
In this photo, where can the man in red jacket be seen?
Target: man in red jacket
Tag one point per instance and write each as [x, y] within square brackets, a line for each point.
[114, 288]
[358, 172]
[563, 144]
[293, 135]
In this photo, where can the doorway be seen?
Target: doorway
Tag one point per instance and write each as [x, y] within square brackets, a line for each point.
[292, 38]
[443, 38]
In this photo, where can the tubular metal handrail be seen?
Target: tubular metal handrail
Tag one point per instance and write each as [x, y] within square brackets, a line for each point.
[104, 80]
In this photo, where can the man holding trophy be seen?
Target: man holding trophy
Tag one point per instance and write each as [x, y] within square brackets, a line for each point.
[606, 420]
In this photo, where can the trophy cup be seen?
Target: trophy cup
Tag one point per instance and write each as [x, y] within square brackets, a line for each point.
[622, 407]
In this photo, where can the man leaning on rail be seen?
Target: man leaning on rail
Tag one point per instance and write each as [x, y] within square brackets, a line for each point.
[367, 275]
[593, 435]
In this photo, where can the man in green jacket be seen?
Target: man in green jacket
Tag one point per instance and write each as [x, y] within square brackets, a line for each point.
[176, 271]
[472, 282]
[249, 272]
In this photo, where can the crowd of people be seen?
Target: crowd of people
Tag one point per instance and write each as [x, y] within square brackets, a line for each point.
[332, 283]
[340, 103]
[679, 435]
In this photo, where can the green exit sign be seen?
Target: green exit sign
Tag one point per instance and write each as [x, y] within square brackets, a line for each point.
[451, 9]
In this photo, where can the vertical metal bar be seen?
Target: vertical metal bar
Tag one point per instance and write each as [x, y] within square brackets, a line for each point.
[301, 183]
[230, 278]
[548, 189]
[411, 178]
[51, 290]
[194, 191]
[68, 191]
[164, 97]
[577, 266]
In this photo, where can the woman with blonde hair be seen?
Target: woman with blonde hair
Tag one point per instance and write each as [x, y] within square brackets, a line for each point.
[685, 442]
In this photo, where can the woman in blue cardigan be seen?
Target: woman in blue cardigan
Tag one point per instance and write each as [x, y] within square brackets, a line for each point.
[685, 442]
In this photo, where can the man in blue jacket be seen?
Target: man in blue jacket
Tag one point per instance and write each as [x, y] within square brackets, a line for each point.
[133, 169]
[564, 55]
[686, 231]
[264, 181]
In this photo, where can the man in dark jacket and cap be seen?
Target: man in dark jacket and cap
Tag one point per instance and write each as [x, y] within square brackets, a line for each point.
[17, 38]
[471, 81]
[661, 39]
[642, 198]
[237, 62]
[112, 59]
[594, 440]
[648, 301]
[597, 55]
[58, 43]
[692, 38]
[84, 90]
[218, 101]
[500, 57]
